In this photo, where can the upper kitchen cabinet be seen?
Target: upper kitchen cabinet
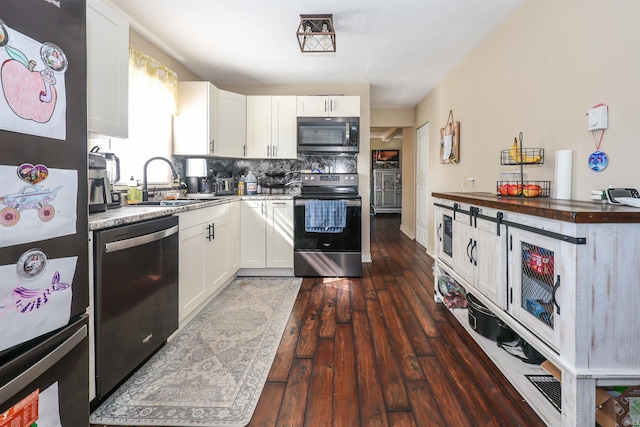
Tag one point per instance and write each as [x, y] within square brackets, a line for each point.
[210, 121]
[271, 127]
[330, 106]
[107, 70]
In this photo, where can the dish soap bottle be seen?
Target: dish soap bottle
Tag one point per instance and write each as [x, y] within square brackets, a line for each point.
[251, 183]
[241, 186]
[132, 191]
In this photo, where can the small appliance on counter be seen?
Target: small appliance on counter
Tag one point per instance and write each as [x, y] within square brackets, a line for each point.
[224, 183]
[196, 174]
[274, 182]
[99, 191]
[112, 167]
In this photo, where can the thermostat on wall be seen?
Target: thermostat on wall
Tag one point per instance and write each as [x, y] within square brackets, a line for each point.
[598, 117]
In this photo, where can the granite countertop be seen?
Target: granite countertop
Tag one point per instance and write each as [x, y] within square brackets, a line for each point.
[564, 210]
[127, 214]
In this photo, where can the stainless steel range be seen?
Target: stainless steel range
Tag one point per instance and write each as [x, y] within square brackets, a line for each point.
[327, 226]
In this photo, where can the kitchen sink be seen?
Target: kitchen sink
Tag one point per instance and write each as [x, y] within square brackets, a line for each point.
[178, 202]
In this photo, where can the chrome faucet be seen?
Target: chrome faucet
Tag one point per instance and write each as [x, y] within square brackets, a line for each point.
[145, 191]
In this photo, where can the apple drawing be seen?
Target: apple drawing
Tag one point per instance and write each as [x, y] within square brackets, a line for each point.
[30, 94]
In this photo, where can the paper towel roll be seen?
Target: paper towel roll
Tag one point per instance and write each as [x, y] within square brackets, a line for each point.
[564, 162]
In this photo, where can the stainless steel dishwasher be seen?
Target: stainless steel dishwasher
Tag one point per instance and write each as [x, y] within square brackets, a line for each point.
[136, 296]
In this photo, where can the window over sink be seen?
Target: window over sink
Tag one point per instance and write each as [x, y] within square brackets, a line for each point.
[153, 92]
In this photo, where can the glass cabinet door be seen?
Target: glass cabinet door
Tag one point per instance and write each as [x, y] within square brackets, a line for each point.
[535, 281]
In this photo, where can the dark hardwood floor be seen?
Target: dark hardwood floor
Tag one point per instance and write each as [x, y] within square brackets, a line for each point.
[378, 351]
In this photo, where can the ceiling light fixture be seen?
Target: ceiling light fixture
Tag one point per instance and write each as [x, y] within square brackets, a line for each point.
[316, 33]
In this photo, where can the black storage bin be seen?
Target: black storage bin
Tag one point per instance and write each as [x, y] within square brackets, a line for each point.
[483, 321]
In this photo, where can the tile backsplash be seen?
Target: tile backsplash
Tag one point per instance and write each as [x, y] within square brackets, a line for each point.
[338, 163]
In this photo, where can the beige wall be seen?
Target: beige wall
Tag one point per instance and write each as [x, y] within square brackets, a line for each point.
[392, 117]
[539, 73]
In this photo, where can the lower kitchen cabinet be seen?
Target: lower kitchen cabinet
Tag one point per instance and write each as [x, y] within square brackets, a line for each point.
[266, 234]
[206, 260]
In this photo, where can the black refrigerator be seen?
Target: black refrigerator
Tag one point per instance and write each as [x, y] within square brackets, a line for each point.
[44, 287]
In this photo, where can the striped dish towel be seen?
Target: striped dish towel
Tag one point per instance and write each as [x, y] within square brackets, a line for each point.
[325, 216]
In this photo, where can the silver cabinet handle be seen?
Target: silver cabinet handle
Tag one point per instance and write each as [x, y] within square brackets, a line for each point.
[21, 381]
[268, 151]
[140, 240]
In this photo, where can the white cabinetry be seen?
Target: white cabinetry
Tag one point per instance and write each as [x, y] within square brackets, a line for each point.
[266, 234]
[206, 260]
[232, 124]
[271, 127]
[210, 121]
[477, 248]
[570, 269]
[330, 106]
[107, 70]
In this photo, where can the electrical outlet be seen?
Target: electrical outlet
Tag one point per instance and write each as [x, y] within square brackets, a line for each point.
[468, 180]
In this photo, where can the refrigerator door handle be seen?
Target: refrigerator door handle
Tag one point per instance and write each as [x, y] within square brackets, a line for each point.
[21, 381]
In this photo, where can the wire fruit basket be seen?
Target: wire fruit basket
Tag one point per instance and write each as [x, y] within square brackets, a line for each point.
[527, 189]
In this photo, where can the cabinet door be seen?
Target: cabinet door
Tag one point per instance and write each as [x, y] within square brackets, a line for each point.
[216, 253]
[312, 106]
[253, 227]
[344, 106]
[231, 134]
[463, 239]
[280, 234]
[192, 291]
[194, 126]
[444, 235]
[332, 106]
[534, 277]
[490, 254]
[284, 127]
[233, 247]
[259, 127]
[107, 81]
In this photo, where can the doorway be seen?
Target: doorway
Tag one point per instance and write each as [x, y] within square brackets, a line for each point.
[422, 185]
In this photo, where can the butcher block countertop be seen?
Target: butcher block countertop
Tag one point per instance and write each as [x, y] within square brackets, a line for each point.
[562, 210]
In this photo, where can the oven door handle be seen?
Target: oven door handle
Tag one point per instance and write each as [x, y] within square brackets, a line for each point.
[357, 203]
[140, 240]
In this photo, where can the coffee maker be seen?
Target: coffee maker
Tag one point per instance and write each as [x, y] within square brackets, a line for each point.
[99, 190]
[224, 183]
[198, 183]
[112, 165]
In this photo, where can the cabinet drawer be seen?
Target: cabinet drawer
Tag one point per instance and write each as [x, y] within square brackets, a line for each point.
[199, 216]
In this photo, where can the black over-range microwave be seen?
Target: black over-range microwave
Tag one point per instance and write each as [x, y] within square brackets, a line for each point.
[328, 134]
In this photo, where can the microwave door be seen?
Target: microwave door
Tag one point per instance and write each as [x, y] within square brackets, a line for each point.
[317, 135]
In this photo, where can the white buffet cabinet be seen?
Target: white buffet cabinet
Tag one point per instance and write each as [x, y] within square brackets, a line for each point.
[266, 237]
[564, 276]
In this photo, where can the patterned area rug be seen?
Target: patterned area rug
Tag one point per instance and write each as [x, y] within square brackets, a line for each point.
[213, 371]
